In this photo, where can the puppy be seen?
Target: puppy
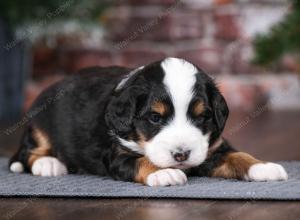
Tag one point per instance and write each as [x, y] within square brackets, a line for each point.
[156, 126]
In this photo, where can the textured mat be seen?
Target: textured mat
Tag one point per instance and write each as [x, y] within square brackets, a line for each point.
[197, 188]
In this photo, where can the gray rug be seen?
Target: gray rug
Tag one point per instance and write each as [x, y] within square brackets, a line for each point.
[196, 188]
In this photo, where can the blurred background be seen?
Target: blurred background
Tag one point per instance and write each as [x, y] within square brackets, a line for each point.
[250, 47]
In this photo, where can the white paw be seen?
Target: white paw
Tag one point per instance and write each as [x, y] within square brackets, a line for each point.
[266, 172]
[166, 177]
[17, 167]
[48, 166]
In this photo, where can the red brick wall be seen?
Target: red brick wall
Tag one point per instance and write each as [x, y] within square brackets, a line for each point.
[214, 34]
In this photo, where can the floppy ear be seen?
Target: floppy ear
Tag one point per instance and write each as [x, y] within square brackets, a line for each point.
[120, 112]
[219, 107]
[121, 109]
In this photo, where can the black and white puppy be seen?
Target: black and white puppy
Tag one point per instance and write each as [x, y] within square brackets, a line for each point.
[157, 125]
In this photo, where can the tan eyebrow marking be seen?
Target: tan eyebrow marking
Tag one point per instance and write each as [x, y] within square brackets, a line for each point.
[159, 107]
[198, 108]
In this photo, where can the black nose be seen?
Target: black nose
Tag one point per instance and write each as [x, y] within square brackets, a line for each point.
[181, 156]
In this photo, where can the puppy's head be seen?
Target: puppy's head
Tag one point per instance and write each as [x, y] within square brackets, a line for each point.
[170, 110]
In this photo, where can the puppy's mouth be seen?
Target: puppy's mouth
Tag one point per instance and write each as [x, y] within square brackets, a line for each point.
[182, 166]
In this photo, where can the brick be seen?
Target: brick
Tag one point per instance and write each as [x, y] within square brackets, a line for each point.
[44, 61]
[187, 25]
[290, 62]
[200, 4]
[154, 28]
[241, 94]
[134, 57]
[240, 59]
[260, 91]
[71, 60]
[207, 58]
[150, 2]
[223, 2]
[163, 26]
[226, 23]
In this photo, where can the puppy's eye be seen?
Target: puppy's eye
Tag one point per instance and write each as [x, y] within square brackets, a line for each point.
[206, 115]
[155, 118]
[199, 119]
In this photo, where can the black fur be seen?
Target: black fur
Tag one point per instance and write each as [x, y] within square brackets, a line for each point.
[206, 168]
[82, 116]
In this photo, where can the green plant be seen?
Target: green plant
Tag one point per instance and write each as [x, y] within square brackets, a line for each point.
[16, 12]
[283, 38]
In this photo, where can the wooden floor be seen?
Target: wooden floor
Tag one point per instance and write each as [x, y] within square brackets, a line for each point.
[268, 136]
[137, 209]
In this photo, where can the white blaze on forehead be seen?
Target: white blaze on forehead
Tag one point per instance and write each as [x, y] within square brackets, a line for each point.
[179, 80]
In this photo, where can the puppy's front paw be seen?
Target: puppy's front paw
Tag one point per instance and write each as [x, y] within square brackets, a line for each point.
[266, 172]
[48, 166]
[166, 177]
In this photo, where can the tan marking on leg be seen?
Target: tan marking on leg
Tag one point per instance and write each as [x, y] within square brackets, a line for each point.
[235, 165]
[198, 108]
[144, 168]
[43, 146]
[159, 107]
